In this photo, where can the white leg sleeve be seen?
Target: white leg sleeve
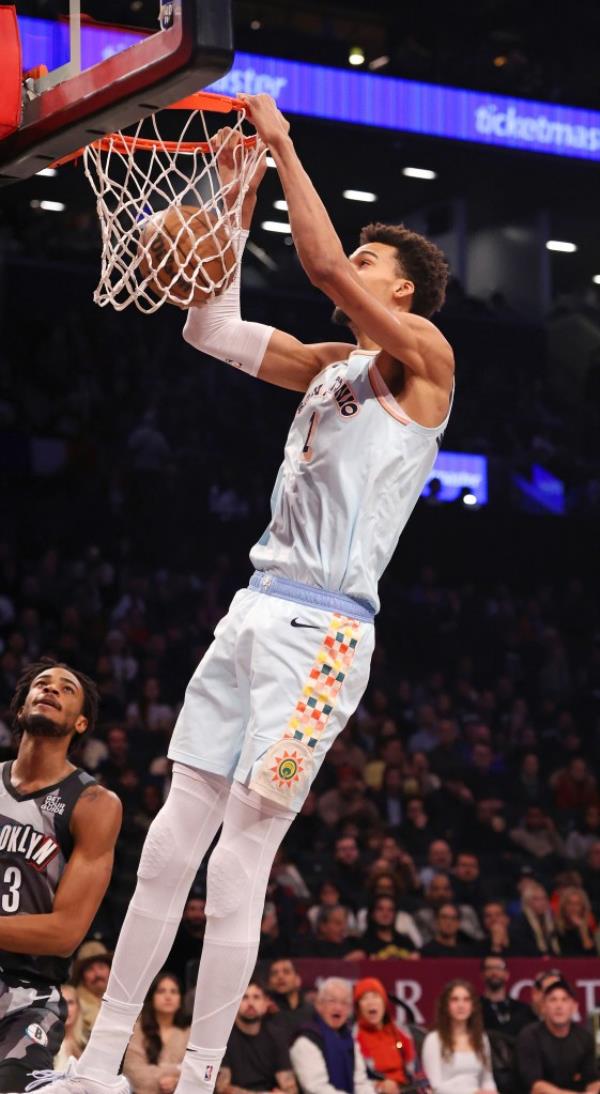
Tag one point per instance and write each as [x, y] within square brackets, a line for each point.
[177, 841]
[217, 327]
[238, 872]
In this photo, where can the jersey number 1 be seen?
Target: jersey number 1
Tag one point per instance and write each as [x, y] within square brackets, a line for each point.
[11, 897]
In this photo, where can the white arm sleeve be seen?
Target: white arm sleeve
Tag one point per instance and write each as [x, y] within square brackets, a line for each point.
[217, 326]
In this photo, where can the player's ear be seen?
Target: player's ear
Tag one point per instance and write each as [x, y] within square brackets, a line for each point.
[403, 288]
[81, 724]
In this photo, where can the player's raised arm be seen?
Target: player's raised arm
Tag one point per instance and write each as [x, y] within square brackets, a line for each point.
[386, 323]
[217, 327]
[95, 826]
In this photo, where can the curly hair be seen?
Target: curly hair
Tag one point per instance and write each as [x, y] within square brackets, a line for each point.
[443, 1021]
[91, 697]
[421, 261]
[149, 1022]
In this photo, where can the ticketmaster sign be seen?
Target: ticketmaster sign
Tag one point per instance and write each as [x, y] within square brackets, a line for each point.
[357, 97]
[364, 99]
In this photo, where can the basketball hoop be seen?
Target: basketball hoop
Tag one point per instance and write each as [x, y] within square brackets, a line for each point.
[137, 179]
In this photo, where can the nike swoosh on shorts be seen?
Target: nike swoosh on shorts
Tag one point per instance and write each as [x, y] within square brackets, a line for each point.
[310, 626]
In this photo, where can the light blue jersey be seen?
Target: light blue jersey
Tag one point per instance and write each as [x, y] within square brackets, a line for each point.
[354, 466]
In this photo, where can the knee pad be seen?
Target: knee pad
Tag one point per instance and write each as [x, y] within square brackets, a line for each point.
[227, 883]
[158, 848]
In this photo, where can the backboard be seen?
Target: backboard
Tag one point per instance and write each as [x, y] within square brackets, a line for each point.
[104, 73]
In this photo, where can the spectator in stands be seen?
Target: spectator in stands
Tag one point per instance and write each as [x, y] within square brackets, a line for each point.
[537, 836]
[257, 1056]
[418, 830]
[591, 876]
[456, 1054]
[390, 799]
[584, 834]
[389, 1051]
[425, 737]
[447, 758]
[74, 1039]
[541, 981]
[285, 989]
[496, 924]
[328, 896]
[500, 1012]
[384, 883]
[575, 787]
[347, 871]
[575, 924]
[438, 892]
[381, 939]
[556, 1054]
[187, 946]
[445, 942]
[439, 861]
[466, 880]
[324, 1054]
[151, 713]
[533, 933]
[155, 1052]
[90, 977]
[529, 787]
[332, 937]
[347, 800]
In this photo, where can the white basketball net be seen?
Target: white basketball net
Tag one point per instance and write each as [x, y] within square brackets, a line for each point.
[138, 181]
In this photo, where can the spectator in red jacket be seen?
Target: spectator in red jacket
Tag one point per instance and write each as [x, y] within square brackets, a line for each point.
[389, 1051]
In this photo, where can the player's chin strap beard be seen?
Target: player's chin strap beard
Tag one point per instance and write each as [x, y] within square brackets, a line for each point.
[38, 725]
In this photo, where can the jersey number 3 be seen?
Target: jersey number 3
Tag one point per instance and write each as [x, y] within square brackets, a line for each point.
[11, 890]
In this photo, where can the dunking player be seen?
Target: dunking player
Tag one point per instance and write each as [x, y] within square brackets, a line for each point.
[57, 834]
[290, 661]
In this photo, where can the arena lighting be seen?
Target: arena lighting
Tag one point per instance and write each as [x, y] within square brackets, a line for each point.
[596, 279]
[356, 56]
[276, 226]
[359, 195]
[281, 205]
[48, 206]
[561, 245]
[419, 173]
[469, 499]
[48, 172]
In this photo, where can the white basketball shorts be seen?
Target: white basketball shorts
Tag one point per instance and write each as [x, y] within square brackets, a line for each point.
[287, 668]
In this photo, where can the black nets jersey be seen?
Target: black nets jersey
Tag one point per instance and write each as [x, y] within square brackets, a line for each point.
[35, 845]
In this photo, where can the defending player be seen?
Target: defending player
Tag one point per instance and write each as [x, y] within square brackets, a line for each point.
[291, 659]
[57, 834]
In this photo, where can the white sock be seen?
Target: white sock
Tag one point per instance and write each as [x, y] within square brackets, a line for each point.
[177, 841]
[238, 872]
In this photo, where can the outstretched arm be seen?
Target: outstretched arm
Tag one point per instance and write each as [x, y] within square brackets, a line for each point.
[94, 826]
[217, 327]
[408, 338]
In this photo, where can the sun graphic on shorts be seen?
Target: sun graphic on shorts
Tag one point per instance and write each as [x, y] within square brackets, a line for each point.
[287, 769]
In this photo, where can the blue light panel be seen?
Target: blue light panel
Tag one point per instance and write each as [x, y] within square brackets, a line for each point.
[359, 97]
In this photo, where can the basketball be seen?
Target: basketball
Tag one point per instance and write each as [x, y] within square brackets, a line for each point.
[185, 254]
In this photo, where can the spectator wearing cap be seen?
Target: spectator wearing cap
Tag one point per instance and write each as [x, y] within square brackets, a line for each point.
[388, 1050]
[90, 973]
[541, 981]
[556, 1054]
[324, 1055]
